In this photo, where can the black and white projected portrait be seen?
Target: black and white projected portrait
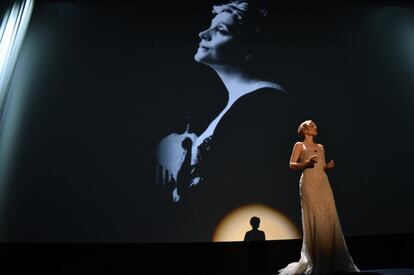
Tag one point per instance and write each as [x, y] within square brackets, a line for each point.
[238, 156]
[230, 46]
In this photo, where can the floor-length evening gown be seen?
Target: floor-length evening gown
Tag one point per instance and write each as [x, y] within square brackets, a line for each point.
[324, 249]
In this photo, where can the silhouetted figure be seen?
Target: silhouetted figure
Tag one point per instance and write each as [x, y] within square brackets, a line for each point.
[256, 247]
[255, 234]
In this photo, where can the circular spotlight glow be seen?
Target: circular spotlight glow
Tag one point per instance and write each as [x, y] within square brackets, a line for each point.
[275, 225]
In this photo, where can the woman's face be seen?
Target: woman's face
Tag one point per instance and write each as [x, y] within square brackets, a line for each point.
[312, 130]
[219, 44]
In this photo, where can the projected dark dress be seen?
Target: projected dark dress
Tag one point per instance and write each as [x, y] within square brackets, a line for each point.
[243, 162]
[324, 249]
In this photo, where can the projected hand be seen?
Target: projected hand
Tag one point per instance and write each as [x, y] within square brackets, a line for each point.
[174, 159]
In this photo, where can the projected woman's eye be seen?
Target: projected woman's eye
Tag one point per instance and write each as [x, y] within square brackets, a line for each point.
[181, 154]
[222, 30]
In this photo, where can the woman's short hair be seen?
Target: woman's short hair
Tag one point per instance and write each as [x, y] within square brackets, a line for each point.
[303, 126]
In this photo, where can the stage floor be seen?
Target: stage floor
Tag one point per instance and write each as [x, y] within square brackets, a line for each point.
[393, 271]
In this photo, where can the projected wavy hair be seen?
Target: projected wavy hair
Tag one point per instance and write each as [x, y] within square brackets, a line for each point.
[303, 126]
[247, 13]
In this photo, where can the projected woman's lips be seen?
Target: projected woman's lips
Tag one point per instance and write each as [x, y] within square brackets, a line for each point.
[235, 224]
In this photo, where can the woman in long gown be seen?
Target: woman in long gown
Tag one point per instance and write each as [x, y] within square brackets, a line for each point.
[324, 250]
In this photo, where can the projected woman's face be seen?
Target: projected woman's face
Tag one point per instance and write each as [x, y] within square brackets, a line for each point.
[218, 44]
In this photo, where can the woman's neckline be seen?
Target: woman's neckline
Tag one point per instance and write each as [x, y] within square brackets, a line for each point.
[310, 147]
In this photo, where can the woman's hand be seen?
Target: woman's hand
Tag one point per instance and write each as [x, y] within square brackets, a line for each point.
[330, 165]
[310, 163]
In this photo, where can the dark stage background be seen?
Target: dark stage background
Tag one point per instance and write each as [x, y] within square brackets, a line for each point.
[98, 84]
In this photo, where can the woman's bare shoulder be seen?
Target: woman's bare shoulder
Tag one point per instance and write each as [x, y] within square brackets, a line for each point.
[298, 145]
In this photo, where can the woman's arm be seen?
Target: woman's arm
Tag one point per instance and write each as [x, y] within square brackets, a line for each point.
[326, 165]
[294, 164]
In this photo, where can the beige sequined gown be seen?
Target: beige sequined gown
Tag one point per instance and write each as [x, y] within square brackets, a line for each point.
[324, 250]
